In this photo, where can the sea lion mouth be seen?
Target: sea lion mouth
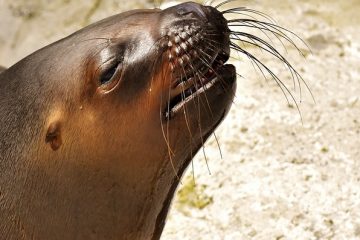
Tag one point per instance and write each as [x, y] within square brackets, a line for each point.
[206, 76]
[196, 50]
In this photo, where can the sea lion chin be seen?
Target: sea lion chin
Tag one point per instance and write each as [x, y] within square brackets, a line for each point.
[98, 127]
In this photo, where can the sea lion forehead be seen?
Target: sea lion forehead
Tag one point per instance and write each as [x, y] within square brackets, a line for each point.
[123, 22]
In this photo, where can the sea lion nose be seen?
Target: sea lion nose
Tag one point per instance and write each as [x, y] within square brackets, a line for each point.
[190, 8]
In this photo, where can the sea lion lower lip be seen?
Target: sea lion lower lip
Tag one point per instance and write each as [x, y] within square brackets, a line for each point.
[224, 76]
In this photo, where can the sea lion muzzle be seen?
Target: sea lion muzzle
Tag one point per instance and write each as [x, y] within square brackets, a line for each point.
[197, 47]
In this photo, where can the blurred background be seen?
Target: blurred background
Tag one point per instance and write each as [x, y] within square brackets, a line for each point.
[279, 177]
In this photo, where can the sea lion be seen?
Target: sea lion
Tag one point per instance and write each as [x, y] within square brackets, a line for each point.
[97, 128]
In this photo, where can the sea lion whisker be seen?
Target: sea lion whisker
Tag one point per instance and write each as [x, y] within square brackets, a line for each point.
[171, 153]
[212, 49]
[156, 60]
[202, 138]
[215, 72]
[208, 2]
[195, 73]
[258, 63]
[199, 115]
[262, 48]
[208, 65]
[211, 35]
[253, 42]
[166, 135]
[271, 50]
[206, 55]
[273, 76]
[261, 65]
[243, 14]
[224, 3]
[263, 45]
[277, 28]
[238, 38]
[207, 59]
[234, 34]
[153, 68]
[189, 130]
[240, 10]
[279, 33]
[218, 145]
[221, 80]
[263, 28]
[216, 139]
[188, 127]
[191, 140]
[214, 42]
[236, 59]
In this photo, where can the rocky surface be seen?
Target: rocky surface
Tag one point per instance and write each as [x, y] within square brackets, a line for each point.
[280, 176]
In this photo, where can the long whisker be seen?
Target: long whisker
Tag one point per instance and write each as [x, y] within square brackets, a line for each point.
[218, 145]
[240, 10]
[263, 45]
[274, 27]
[189, 130]
[166, 135]
[279, 33]
[261, 65]
[224, 3]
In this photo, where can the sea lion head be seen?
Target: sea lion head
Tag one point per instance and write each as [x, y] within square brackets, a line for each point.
[147, 85]
[113, 114]
[142, 80]
[159, 78]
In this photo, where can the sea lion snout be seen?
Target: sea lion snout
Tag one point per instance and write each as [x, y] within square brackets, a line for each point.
[196, 47]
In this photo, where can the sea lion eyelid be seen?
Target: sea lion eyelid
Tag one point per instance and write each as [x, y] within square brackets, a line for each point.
[110, 59]
[107, 76]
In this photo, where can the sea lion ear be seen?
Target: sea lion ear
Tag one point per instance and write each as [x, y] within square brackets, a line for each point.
[53, 135]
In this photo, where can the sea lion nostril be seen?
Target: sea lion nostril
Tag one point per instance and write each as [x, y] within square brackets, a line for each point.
[190, 8]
